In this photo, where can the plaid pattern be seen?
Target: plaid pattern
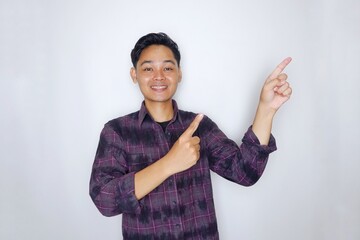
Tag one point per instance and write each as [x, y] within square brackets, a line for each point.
[182, 207]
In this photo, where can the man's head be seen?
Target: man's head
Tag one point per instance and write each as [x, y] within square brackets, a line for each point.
[154, 39]
[156, 70]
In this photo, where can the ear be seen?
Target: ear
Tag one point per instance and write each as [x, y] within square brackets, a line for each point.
[133, 74]
[180, 75]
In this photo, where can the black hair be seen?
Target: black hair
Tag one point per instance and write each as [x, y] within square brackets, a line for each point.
[154, 39]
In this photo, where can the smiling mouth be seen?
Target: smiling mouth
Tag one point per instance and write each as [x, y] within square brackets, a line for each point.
[159, 87]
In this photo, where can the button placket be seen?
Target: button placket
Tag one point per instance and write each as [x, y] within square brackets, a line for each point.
[174, 201]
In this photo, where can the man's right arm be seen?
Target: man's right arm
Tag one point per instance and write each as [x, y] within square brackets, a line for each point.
[114, 190]
[111, 184]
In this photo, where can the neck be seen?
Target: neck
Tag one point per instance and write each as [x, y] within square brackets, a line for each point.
[160, 111]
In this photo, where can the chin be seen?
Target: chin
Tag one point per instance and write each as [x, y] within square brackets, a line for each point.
[158, 100]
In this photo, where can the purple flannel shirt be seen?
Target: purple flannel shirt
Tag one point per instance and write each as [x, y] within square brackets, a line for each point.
[182, 207]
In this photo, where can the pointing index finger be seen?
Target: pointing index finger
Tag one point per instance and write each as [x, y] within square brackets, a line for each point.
[194, 125]
[280, 68]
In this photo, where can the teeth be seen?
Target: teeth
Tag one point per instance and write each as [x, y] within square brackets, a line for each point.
[158, 87]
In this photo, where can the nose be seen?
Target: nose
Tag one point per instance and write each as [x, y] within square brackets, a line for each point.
[159, 75]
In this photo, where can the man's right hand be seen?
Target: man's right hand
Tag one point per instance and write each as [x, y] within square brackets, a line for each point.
[183, 155]
[186, 150]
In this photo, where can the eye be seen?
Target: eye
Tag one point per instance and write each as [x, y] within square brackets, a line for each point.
[147, 69]
[168, 69]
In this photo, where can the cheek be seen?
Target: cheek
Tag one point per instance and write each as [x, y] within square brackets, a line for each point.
[174, 77]
[142, 85]
[143, 79]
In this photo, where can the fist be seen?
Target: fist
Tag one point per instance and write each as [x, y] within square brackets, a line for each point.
[186, 151]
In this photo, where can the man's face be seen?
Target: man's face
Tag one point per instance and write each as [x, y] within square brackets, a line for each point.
[157, 74]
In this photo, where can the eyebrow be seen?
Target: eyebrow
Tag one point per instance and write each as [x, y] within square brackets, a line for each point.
[149, 61]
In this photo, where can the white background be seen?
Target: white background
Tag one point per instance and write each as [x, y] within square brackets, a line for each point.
[64, 72]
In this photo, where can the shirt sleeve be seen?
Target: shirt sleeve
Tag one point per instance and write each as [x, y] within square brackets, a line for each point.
[112, 186]
[242, 164]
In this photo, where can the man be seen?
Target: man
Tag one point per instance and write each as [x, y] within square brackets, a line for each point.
[153, 166]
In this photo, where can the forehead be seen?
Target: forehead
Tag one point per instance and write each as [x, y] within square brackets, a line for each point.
[156, 52]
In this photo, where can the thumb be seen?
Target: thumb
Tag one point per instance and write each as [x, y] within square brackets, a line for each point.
[193, 126]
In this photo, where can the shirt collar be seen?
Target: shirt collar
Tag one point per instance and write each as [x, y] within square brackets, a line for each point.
[143, 112]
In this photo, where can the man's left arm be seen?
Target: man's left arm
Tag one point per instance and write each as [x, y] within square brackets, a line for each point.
[245, 164]
[275, 92]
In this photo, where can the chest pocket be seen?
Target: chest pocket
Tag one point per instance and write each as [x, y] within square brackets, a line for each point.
[139, 158]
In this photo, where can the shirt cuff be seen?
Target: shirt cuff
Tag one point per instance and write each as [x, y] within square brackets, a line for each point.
[251, 139]
[127, 201]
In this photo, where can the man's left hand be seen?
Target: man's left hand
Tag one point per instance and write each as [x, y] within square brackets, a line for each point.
[276, 90]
